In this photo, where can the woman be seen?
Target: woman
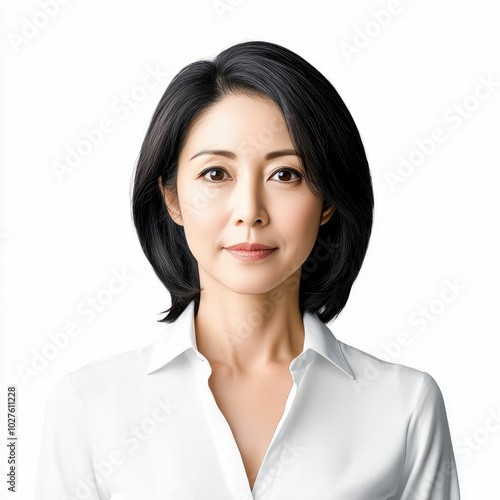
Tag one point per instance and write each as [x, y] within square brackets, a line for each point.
[253, 203]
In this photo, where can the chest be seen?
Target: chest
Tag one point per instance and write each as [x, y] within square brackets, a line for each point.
[252, 408]
[172, 442]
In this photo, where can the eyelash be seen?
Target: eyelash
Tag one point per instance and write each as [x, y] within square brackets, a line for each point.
[285, 169]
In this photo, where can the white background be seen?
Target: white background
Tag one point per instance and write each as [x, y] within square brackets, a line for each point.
[63, 237]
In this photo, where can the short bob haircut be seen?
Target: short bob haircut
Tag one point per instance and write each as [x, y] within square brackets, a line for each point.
[325, 137]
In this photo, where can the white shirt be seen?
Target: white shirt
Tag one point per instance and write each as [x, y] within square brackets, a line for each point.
[145, 424]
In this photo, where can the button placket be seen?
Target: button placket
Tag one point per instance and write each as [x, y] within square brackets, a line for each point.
[260, 490]
[223, 439]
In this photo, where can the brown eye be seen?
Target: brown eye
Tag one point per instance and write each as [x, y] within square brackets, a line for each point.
[287, 175]
[214, 174]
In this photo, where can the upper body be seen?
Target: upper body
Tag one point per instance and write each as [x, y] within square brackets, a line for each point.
[145, 424]
[253, 203]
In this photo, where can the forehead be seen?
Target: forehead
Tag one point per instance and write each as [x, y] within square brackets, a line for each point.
[236, 122]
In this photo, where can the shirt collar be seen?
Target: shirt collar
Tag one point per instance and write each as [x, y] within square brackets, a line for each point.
[319, 338]
[180, 337]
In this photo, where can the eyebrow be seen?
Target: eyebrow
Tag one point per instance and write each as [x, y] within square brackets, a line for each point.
[232, 156]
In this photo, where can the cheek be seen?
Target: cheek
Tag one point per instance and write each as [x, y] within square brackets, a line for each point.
[301, 219]
[199, 204]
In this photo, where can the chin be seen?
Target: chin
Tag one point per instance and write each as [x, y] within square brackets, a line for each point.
[244, 286]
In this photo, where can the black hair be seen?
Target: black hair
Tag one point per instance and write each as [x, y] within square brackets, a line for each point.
[325, 137]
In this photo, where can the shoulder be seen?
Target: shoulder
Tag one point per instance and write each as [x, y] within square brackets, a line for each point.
[124, 368]
[384, 379]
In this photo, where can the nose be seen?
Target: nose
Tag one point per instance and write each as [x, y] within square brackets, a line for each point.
[249, 203]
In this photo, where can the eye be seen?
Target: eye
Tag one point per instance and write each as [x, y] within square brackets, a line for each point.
[287, 175]
[213, 174]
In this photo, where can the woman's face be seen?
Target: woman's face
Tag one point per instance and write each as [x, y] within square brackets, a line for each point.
[240, 181]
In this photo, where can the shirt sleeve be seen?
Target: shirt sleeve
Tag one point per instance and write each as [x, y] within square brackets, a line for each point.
[429, 472]
[65, 457]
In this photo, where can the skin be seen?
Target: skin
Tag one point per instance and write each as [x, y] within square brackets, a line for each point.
[248, 325]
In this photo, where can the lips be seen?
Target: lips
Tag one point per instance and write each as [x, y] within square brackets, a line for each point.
[249, 247]
[250, 252]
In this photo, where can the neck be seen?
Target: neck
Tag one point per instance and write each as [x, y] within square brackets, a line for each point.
[245, 333]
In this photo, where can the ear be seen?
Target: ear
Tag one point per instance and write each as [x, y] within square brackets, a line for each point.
[170, 198]
[327, 212]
